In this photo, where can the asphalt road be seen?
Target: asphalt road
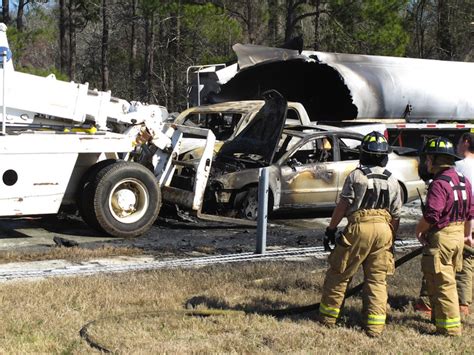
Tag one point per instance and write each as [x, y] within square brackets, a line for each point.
[173, 238]
[39, 231]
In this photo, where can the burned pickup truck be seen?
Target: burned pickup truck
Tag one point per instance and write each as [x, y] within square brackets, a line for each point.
[227, 119]
[308, 165]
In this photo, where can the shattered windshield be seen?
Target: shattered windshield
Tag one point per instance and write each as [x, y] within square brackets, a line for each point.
[221, 124]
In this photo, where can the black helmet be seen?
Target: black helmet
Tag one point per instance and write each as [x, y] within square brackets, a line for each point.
[439, 146]
[375, 143]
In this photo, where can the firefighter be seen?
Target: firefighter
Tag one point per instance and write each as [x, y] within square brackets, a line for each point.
[371, 201]
[465, 148]
[445, 223]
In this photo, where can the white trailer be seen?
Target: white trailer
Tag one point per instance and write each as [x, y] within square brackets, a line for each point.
[62, 143]
[414, 98]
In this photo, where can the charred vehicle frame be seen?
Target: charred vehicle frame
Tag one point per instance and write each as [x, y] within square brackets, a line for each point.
[307, 171]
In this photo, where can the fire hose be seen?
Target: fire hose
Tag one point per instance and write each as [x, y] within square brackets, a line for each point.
[278, 313]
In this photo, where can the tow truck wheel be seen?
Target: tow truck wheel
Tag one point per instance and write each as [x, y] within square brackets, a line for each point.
[249, 204]
[126, 200]
[85, 193]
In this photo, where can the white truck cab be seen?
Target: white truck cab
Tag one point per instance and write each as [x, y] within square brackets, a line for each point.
[62, 143]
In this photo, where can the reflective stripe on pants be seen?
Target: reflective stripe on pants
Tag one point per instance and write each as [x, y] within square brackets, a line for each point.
[448, 323]
[328, 311]
[374, 319]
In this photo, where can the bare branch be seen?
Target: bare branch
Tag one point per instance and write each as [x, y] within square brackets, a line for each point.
[308, 14]
[239, 15]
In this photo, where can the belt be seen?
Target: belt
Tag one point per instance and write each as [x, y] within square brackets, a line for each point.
[379, 215]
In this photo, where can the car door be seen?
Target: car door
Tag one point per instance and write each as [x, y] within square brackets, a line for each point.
[347, 154]
[308, 178]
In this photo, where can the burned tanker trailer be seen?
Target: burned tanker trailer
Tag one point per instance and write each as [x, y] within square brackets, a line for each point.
[413, 96]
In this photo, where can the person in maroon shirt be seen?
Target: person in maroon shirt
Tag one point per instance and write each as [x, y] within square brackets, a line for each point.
[446, 223]
[440, 201]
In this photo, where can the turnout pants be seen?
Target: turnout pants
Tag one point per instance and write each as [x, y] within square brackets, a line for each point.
[366, 241]
[442, 257]
[463, 284]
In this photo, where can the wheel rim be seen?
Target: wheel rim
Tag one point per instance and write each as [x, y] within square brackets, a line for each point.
[250, 205]
[128, 201]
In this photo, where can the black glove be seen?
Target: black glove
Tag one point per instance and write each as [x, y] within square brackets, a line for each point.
[329, 238]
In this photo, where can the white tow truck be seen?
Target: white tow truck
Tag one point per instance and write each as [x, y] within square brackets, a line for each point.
[62, 143]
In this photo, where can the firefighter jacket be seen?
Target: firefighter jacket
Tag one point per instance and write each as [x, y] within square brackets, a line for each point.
[372, 188]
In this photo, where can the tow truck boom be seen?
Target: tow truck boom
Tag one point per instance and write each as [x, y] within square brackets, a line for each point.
[63, 143]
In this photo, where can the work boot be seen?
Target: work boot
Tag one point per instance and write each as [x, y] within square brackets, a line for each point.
[452, 332]
[371, 334]
[423, 308]
[464, 309]
[328, 322]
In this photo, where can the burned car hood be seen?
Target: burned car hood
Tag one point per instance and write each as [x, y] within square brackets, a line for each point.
[258, 141]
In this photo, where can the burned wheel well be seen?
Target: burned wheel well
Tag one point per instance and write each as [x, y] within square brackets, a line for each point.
[239, 195]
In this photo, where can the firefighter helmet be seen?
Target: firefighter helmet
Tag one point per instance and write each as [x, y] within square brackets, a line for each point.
[439, 146]
[375, 143]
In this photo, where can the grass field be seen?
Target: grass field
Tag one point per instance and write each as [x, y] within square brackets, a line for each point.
[141, 313]
[71, 254]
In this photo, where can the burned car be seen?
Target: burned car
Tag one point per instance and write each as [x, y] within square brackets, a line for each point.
[307, 170]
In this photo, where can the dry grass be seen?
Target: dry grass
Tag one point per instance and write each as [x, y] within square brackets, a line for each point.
[72, 254]
[46, 316]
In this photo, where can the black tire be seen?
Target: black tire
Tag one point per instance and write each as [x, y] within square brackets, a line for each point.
[126, 185]
[248, 204]
[85, 193]
[403, 194]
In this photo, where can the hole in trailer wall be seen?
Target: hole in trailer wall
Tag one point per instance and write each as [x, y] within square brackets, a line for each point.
[319, 87]
[10, 177]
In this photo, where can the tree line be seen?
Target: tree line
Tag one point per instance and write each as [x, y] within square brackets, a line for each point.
[140, 49]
